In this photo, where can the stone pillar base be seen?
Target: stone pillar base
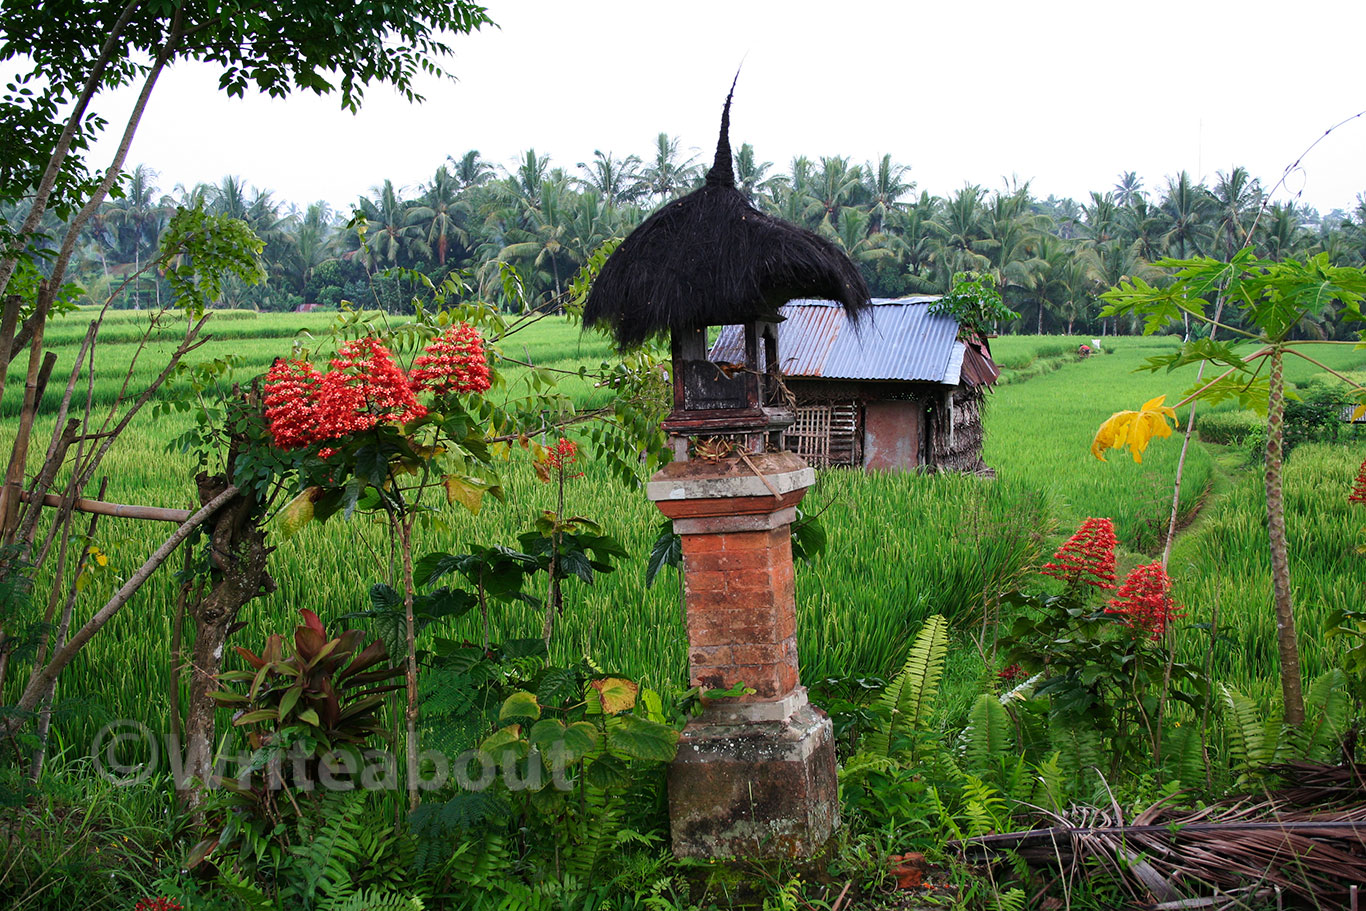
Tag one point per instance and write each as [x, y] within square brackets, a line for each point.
[754, 787]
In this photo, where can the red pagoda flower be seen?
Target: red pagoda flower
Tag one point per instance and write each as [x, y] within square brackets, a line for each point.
[1144, 601]
[1088, 557]
[453, 362]
[1359, 489]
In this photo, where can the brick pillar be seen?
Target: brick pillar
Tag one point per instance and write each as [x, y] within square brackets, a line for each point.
[755, 775]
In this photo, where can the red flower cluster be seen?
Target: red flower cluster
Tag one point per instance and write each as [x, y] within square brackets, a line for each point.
[1144, 601]
[364, 387]
[1088, 557]
[453, 362]
[561, 458]
[1359, 490]
[158, 904]
[291, 395]
[1010, 674]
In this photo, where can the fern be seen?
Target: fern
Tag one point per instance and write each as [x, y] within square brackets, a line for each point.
[908, 702]
[989, 734]
[1329, 707]
[377, 900]
[244, 890]
[1050, 785]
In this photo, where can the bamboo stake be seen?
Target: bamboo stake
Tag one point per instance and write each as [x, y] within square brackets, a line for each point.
[119, 510]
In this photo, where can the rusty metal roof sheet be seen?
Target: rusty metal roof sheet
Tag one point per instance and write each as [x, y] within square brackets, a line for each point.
[896, 339]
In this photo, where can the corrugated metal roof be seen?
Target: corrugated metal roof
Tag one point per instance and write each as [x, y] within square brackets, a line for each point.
[895, 340]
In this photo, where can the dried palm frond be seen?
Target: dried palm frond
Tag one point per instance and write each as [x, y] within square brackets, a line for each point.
[1307, 841]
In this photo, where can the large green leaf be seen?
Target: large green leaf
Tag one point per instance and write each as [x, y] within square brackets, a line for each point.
[521, 705]
[640, 739]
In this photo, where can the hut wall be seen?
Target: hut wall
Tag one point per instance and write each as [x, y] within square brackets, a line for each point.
[956, 433]
[892, 432]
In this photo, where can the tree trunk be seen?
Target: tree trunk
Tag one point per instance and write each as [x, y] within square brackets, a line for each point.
[1286, 641]
[410, 659]
[238, 556]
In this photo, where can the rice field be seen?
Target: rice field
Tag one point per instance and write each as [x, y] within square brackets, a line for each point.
[901, 547]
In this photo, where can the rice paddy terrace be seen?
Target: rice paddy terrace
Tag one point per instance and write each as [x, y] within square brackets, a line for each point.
[901, 546]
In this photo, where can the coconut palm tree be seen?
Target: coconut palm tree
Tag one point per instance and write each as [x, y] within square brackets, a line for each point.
[1128, 188]
[886, 186]
[834, 185]
[1187, 209]
[393, 236]
[961, 232]
[441, 211]
[1238, 197]
[668, 176]
[618, 181]
[469, 170]
[749, 174]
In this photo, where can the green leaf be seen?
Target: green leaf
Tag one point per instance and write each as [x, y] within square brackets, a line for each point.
[607, 771]
[520, 704]
[638, 738]
[667, 550]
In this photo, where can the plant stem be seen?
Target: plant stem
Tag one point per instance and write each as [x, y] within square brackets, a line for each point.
[1286, 641]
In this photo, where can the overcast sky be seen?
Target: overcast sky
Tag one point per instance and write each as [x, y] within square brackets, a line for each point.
[1064, 95]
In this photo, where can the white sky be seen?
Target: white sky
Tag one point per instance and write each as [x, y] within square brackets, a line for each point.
[1064, 94]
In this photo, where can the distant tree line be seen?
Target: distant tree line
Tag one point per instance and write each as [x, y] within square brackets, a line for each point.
[1050, 257]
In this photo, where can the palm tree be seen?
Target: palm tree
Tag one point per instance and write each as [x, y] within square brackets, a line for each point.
[1239, 198]
[835, 185]
[617, 180]
[961, 232]
[667, 176]
[1187, 208]
[135, 222]
[440, 209]
[1128, 188]
[1101, 219]
[886, 186]
[1280, 232]
[470, 170]
[392, 234]
[749, 174]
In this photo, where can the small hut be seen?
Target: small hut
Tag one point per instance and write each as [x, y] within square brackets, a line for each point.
[904, 391]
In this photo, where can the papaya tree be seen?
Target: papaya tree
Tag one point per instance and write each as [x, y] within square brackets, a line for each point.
[1274, 301]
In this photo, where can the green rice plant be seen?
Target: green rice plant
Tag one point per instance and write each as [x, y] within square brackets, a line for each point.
[1228, 428]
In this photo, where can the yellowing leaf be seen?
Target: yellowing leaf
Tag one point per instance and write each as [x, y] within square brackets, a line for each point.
[459, 490]
[618, 694]
[1134, 429]
[297, 513]
[1359, 412]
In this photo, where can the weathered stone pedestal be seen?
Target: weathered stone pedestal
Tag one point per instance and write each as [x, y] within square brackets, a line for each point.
[755, 775]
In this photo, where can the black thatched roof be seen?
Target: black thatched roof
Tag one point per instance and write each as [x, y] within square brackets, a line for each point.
[711, 258]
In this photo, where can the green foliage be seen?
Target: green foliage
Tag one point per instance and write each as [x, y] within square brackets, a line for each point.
[1255, 740]
[975, 303]
[309, 713]
[907, 705]
[202, 251]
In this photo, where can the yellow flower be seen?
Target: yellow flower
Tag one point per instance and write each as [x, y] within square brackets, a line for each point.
[1134, 429]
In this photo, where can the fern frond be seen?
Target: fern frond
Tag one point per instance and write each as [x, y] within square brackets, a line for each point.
[989, 734]
[908, 702]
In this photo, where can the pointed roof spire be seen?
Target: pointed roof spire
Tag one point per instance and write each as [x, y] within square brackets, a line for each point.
[722, 173]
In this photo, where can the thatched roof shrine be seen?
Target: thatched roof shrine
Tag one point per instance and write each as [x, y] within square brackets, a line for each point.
[712, 259]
